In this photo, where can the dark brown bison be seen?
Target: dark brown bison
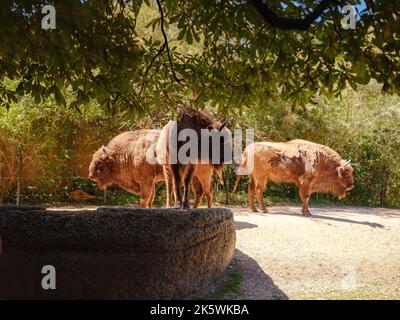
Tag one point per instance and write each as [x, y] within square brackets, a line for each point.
[128, 160]
[312, 167]
[180, 161]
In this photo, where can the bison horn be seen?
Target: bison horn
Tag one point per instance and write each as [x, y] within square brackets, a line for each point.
[347, 162]
[222, 124]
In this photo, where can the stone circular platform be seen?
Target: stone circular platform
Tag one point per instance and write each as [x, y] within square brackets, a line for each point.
[113, 253]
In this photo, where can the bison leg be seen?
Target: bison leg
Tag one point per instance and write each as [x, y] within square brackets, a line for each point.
[251, 190]
[170, 193]
[153, 196]
[147, 193]
[209, 196]
[208, 191]
[188, 180]
[200, 188]
[177, 182]
[305, 193]
[198, 191]
[170, 186]
[260, 191]
[197, 199]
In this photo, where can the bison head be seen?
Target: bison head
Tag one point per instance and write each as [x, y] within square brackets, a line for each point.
[197, 137]
[219, 125]
[223, 144]
[344, 178]
[101, 168]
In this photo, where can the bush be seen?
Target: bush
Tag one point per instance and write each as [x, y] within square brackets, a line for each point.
[57, 145]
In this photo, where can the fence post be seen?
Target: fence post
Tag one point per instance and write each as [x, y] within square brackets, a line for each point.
[104, 197]
[383, 195]
[19, 175]
[227, 178]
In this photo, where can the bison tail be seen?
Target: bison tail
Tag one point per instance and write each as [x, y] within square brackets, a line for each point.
[236, 183]
[241, 167]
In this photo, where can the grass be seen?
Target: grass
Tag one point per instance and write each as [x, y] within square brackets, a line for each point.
[276, 194]
[232, 284]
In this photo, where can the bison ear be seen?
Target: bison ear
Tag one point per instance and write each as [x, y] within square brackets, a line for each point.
[106, 156]
[339, 171]
[221, 124]
[104, 152]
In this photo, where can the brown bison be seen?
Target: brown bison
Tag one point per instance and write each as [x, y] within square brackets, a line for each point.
[129, 161]
[123, 161]
[180, 160]
[310, 166]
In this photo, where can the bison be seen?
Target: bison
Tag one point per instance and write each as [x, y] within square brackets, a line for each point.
[196, 127]
[123, 162]
[312, 167]
[128, 160]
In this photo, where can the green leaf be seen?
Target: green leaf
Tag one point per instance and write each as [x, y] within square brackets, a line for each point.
[189, 37]
[181, 34]
[60, 100]
[196, 36]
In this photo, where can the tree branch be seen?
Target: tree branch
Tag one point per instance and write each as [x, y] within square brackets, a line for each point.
[284, 23]
[160, 50]
[166, 41]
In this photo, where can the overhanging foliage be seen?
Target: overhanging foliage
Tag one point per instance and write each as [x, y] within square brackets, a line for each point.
[227, 53]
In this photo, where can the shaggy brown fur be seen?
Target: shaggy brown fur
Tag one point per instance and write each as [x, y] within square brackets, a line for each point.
[123, 162]
[181, 174]
[198, 116]
[312, 167]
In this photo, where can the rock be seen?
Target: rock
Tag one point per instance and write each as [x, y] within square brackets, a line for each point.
[113, 253]
[80, 195]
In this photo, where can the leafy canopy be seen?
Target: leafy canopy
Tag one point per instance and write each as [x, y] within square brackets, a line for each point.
[146, 56]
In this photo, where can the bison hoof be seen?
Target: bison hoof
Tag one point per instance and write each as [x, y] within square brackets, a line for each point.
[253, 209]
[178, 206]
[306, 213]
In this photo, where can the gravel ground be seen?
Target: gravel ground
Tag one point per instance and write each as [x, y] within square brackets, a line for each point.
[337, 253]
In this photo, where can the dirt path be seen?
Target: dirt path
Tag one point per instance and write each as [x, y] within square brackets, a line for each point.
[338, 253]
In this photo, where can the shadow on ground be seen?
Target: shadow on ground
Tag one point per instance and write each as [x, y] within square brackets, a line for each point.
[255, 283]
[338, 214]
[244, 225]
[330, 218]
